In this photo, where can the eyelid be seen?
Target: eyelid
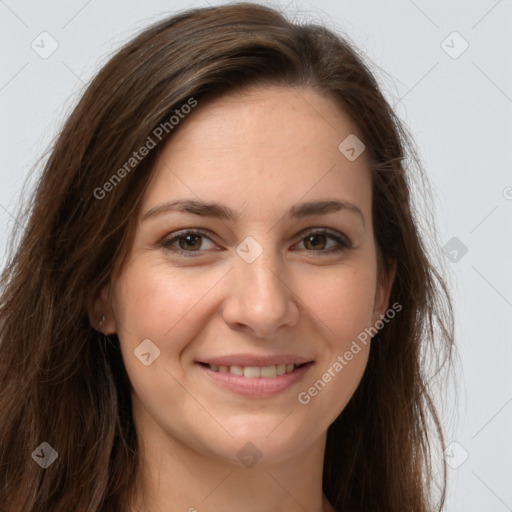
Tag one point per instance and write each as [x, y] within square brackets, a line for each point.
[168, 240]
[341, 239]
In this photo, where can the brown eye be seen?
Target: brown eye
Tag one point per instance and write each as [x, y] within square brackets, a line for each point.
[316, 241]
[191, 242]
[185, 243]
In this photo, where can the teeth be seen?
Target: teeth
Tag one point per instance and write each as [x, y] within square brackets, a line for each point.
[268, 371]
[237, 370]
[265, 372]
[250, 371]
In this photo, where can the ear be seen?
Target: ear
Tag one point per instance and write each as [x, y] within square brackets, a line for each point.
[383, 292]
[101, 315]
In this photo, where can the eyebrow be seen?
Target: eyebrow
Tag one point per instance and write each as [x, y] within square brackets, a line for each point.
[218, 211]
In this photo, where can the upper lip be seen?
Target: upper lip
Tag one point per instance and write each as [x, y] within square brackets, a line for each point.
[255, 360]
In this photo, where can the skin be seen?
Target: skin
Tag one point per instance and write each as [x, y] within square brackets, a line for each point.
[258, 152]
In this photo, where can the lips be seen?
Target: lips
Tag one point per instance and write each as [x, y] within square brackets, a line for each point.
[253, 385]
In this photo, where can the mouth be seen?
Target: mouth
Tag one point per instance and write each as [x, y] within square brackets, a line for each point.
[255, 381]
[255, 372]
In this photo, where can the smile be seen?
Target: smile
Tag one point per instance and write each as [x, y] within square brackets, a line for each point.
[255, 381]
[253, 372]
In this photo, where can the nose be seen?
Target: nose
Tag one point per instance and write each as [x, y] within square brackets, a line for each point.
[259, 296]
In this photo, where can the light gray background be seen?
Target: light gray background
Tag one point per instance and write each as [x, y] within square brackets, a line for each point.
[459, 110]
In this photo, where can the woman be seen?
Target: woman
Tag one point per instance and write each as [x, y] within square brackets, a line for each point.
[221, 300]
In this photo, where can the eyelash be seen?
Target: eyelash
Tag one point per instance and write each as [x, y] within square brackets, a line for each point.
[343, 243]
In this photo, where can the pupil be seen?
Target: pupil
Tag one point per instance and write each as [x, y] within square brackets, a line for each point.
[188, 237]
[314, 237]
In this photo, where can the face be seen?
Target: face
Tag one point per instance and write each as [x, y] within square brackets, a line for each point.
[263, 274]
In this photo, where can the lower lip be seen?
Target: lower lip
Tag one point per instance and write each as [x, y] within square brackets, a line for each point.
[257, 387]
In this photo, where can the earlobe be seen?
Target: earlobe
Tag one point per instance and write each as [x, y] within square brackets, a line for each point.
[100, 312]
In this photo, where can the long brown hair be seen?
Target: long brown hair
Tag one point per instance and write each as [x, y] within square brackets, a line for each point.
[64, 383]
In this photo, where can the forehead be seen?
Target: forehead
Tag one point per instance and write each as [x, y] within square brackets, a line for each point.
[261, 148]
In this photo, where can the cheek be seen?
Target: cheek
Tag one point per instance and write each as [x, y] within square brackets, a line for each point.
[328, 392]
[343, 307]
[157, 302]
[342, 301]
[166, 304]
